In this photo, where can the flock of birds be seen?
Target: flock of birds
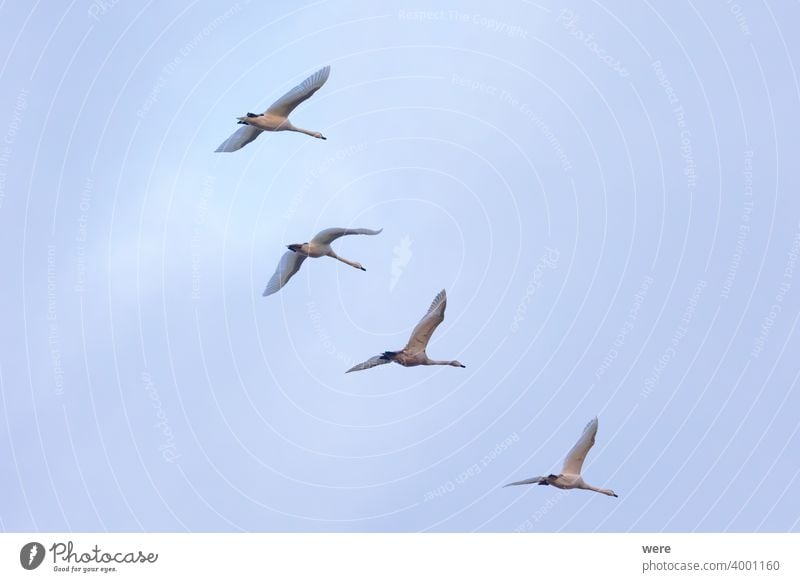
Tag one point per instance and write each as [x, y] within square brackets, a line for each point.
[276, 118]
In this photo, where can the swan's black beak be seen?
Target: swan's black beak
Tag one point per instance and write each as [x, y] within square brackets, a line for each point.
[363, 269]
[463, 366]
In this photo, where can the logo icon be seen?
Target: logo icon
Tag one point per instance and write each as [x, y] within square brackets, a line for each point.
[31, 555]
[402, 256]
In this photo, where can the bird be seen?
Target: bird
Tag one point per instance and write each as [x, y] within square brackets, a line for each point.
[570, 476]
[414, 352]
[276, 117]
[319, 246]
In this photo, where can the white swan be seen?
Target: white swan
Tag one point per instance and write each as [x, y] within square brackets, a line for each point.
[570, 477]
[319, 246]
[414, 352]
[276, 118]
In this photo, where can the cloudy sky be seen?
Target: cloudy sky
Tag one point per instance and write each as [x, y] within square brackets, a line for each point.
[607, 191]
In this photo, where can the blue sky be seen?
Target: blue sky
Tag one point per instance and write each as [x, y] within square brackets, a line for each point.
[606, 191]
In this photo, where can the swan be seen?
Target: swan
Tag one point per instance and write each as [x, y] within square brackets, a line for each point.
[276, 117]
[570, 477]
[414, 352]
[319, 246]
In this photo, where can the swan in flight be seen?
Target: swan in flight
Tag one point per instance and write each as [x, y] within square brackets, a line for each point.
[276, 118]
[570, 477]
[414, 352]
[319, 246]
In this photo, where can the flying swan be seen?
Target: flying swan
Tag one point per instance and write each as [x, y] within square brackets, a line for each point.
[570, 477]
[276, 118]
[319, 246]
[414, 352]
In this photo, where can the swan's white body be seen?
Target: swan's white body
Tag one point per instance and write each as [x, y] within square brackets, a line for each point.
[570, 476]
[276, 117]
[414, 352]
[319, 246]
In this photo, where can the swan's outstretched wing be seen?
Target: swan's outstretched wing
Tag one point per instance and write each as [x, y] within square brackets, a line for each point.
[422, 333]
[378, 360]
[286, 104]
[329, 235]
[289, 265]
[527, 481]
[574, 461]
[240, 138]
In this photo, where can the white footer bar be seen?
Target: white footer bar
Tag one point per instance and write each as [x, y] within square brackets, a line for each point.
[400, 557]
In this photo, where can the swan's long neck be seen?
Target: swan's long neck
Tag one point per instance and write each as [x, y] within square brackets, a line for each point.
[291, 127]
[608, 492]
[346, 261]
[430, 362]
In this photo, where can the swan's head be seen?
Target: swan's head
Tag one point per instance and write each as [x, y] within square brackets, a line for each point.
[611, 493]
[457, 364]
[294, 248]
